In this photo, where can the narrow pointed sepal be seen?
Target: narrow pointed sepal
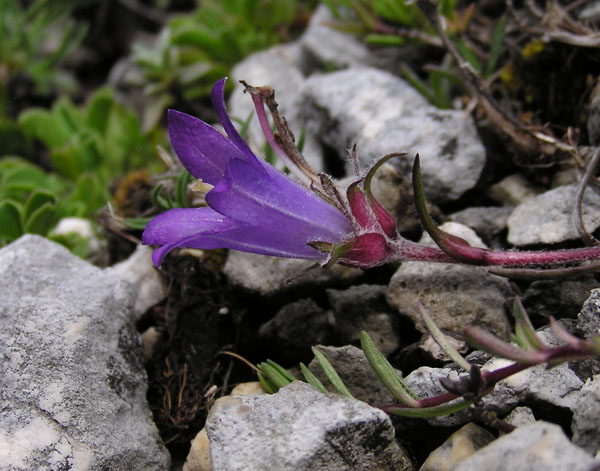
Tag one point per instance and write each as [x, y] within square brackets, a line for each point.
[456, 247]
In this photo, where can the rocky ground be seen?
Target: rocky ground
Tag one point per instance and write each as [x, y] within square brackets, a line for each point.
[122, 368]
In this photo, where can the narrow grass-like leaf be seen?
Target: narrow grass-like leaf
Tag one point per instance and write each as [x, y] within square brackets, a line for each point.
[136, 223]
[301, 139]
[428, 412]
[282, 371]
[268, 387]
[496, 46]
[331, 374]
[524, 325]
[159, 200]
[386, 372]
[384, 39]
[312, 379]
[441, 339]
[417, 83]
[181, 189]
[274, 376]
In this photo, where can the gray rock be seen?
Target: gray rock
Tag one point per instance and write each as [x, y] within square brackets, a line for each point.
[269, 275]
[139, 270]
[72, 378]
[588, 319]
[530, 448]
[330, 47]
[487, 222]
[459, 446]
[298, 428]
[558, 298]
[548, 218]
[512, 190]
[556, 388]
[586, 415]
[456, 296]
[363, 307]
[381, 114]
[277, 67]
[297, 327]
[520, 416]
[356, 373]
[429, 345]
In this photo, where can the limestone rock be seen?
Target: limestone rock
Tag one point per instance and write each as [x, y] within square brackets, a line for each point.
[530, 448]
[381, 114]
[548, 218]
[298, 428]
[72, 378]
[456, 296]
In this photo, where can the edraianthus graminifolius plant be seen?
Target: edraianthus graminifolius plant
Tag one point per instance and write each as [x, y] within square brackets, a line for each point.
[255, 208]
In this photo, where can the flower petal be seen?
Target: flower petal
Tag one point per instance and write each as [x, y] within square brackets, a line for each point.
[180, 223]
[202, 150]
[203, 228]
[276, 202]
[217, 96]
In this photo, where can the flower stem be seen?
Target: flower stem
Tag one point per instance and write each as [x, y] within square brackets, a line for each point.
[405, 250]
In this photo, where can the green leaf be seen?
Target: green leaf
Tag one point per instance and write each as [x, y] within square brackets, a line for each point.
[276, 378]
[384, 40]
[99, 109]
[35, 201]
[282, 371]
[386, 372]
[312, 379]
[89, 192]
[440, 338]
[136, 223]
[18, 176]
[524, 329]
[41, 220]
[46, 127]
[331, 373]
[468, 54]
[496, 46]
[429, 412]
[267, 386]
[67, 160]
[10, 221]
[12, 140]
[181, 199]
[417, 83]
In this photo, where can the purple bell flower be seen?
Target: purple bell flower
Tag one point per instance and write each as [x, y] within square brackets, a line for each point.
[253, 207]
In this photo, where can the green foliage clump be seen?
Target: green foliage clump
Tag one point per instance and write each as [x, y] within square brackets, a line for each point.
[88, 146]
[34, 40]
[196, 49]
